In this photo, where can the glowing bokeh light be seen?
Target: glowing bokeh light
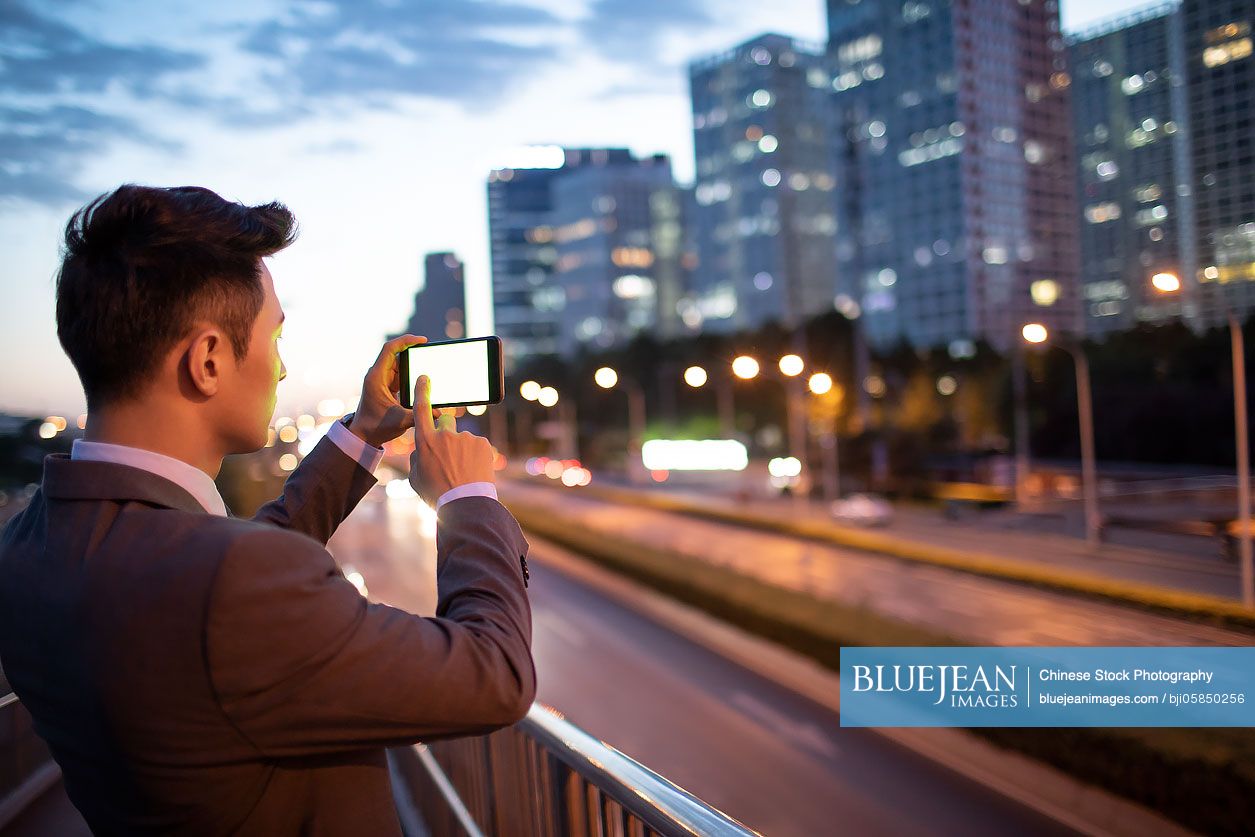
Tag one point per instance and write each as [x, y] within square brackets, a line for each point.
[745, 367]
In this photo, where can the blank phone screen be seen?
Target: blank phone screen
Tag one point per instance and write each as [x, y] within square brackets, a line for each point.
[458, 371]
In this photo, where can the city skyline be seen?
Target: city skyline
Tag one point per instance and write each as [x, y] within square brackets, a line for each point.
[332, 127]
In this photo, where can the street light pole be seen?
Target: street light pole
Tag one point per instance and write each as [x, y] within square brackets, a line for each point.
[832, 466]
[797, 433]
[727, 411]
[569, 419]
[1244, 463]
[1037, 333]
[607, 378]
[1170, 283]
[636, 427]
[1020, 399]
[1089, 476]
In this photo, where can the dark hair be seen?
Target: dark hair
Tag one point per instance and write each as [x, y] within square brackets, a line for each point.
[142, 264]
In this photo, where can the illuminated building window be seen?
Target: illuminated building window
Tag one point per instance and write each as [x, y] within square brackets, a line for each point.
[1148, 193]
[632, 257]
[1101, 213]
[632, 286]
[580, 229]
[861, 49]
[1045, 292]
[1106, 170]
[1235, 50]
[1151, 215]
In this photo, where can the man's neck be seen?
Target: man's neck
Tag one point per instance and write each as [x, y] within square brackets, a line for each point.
[142, 426]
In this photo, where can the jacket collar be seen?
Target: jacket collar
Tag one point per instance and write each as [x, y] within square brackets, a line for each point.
[68, 479]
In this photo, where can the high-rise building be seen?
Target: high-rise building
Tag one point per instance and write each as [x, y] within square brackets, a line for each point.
[527, 302]
[440, 306]
[955, 189]
[1131, 130]
[763, 218]
[614, 280]
[1220, 71]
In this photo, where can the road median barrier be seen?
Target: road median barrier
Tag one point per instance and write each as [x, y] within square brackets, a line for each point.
[1195, 606]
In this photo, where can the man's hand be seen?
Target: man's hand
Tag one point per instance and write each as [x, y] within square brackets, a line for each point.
[443, 458]
[380, 417]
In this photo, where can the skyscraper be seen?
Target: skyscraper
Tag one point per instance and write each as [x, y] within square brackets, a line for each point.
[1131, 124]
[955, 190]
[613, 280]
[1220, 70]
[527, 303]
[440, 306]
[763, 216]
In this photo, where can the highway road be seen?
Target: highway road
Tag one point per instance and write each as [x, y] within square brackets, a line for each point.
[975, 609]
[769, 757]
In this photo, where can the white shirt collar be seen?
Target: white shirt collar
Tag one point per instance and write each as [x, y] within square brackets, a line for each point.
[188, 477]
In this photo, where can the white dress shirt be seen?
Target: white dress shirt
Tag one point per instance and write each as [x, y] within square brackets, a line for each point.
[201, 486]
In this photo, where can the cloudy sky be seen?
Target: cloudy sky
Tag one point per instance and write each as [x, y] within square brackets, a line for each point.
[376, 121]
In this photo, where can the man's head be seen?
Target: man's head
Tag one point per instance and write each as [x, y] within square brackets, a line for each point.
[163, 298]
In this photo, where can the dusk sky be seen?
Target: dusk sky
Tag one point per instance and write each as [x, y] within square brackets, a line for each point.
[376, 122]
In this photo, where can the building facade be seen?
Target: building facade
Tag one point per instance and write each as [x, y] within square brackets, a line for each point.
[1220, 72]
[615, 280]
[527, 303]
[956, 197]
[1131, 124]
[763, 220]
[440, 306]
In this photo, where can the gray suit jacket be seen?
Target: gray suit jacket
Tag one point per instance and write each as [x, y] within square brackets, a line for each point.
[199, 675]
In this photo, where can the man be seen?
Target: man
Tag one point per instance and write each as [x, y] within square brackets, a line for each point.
[195, 673]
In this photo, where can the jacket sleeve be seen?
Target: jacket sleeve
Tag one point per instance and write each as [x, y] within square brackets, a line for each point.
[302, 664]
[320, 493]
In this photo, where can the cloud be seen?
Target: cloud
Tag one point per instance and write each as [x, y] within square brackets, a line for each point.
[41, 55]
[41, 151]
[55, 70]
[633, 31]
[370, 51]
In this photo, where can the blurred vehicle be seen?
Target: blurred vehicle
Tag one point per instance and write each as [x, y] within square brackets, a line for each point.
[1230, 533]
[862, 510]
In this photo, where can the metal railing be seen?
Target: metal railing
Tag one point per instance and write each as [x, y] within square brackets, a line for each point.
[24, 758]
[546, 776]
[542, 776]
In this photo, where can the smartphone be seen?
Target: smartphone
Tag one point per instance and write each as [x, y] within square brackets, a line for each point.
[462, 372]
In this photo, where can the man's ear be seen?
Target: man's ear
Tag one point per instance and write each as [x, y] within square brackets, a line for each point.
[206, 359]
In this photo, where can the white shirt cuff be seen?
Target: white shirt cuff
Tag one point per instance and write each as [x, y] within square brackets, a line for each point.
[368, 456]
[470, 489]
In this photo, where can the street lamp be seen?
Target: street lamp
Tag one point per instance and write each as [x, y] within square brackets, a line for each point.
[547, 396]
[1170, 283]
[792, 365]
[820, 383]
[696, 377]
[1037, 333]
[745, 367]
[1166, 283]
[607, 378]
[530, 390]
